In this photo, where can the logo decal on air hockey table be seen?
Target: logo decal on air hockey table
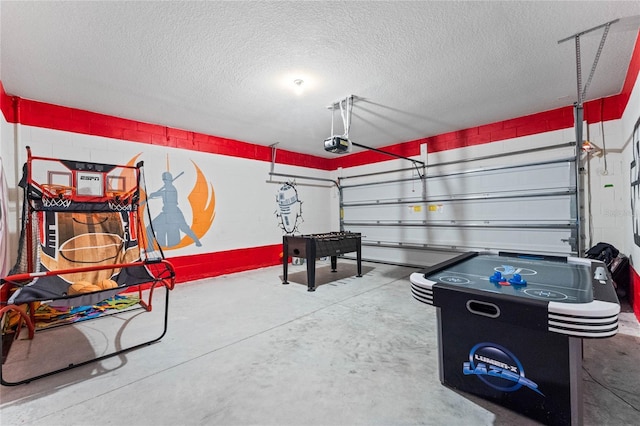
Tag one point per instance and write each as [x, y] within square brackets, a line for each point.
[454, 280]
[498, 368]
[546, 294]
[510, 270]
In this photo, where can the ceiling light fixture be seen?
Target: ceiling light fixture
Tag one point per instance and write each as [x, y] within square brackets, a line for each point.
[299, 86]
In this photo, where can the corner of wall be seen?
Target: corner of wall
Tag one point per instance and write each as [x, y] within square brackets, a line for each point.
[6, 105]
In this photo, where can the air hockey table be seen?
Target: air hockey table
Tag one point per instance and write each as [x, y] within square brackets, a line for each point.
[510, 327]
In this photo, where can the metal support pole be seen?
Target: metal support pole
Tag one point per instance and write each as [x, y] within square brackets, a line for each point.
[341, 204]
[578, 117]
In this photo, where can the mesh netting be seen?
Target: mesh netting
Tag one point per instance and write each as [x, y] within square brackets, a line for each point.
[56, 202]
[22, 263]
[118, 205]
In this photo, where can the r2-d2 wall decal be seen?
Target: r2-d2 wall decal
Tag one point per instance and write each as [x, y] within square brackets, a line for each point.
[289, 210]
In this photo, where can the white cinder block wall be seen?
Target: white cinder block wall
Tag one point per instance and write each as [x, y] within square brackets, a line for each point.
[245, 200]
[629, 118]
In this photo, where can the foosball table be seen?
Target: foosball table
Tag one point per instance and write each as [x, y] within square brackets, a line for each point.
[313, 246]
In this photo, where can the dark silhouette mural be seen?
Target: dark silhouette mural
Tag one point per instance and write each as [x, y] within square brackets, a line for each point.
[170, 222]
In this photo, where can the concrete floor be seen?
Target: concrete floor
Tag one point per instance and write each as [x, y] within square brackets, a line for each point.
[243, 349]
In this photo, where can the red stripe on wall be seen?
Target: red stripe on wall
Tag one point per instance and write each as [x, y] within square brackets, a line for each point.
[604, 109]
[632, 71]
[6, 105]
[634, 292]
[40, 114]
[546, 121]
[198, 266]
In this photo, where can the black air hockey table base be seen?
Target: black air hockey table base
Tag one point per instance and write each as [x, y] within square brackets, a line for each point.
[517, 341]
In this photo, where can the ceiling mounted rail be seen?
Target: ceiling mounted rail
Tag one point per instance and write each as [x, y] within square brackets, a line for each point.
[582, 91]
[341, 144]
[272, 173]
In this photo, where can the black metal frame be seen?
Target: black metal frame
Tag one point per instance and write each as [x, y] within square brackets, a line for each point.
[89, 361]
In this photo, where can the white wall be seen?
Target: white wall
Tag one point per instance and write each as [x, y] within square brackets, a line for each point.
[245, 203]
[629, 118]
[12, 176]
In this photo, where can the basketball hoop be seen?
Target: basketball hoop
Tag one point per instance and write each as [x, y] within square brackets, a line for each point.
[54, 190]
[119, 200]
[56, 195]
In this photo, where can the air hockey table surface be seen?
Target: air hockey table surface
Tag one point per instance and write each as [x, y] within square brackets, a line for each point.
[501, 314]
[568, 286]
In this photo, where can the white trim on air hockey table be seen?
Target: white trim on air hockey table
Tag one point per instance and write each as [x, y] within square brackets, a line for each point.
[593, 319]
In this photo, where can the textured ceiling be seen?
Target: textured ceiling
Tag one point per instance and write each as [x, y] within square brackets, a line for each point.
[227, 68]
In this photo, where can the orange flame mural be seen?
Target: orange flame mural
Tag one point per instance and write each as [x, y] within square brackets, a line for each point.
[202, 201]
[203, 205]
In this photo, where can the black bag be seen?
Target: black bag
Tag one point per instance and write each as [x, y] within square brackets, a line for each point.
[617, 264]
[604, 252]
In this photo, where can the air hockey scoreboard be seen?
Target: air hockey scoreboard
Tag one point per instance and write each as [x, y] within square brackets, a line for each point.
[510, 327]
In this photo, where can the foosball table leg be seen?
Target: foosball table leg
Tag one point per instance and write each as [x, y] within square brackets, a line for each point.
[285, 259]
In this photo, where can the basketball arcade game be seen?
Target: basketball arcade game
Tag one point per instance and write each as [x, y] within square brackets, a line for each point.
[501, 314]
[82, 244]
